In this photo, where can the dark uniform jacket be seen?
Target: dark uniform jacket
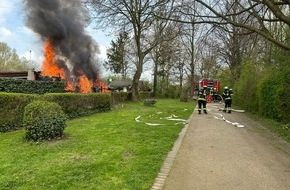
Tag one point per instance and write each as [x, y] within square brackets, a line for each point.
[202, 94]
[227, 95]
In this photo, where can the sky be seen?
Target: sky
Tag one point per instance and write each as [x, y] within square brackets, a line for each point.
[26, 43]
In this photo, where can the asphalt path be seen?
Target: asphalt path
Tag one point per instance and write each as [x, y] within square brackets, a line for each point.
[221, 151]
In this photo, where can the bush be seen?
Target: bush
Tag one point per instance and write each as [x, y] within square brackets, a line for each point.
[245, 89]
[184, 96]
[273, 91]
[149, 102]
[43, 121]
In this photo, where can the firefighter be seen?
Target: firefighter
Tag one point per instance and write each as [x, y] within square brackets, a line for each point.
[215, 95]
[227, 96]
[202, 99]
[211, 91]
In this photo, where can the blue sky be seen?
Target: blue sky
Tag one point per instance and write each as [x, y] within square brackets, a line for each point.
[14, 32]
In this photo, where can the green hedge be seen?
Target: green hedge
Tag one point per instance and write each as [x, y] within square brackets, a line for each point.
[119, 97]
[12, 108]
[30, 87]
[43, 121]
[264, 90]
[77, 105]
[245, 89]
[274, 94]
[73, 104]
[144, 95]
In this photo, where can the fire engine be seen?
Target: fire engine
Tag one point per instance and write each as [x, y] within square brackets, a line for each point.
[213, 88]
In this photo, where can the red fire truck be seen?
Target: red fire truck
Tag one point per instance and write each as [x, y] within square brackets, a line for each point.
[213, 88]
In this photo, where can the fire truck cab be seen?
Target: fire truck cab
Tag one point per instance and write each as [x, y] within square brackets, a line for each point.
[213, 88]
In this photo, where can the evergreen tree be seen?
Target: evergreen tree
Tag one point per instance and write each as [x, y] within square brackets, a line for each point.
[117, 62]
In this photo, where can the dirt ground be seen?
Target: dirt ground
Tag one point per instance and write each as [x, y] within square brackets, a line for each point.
[217, 155]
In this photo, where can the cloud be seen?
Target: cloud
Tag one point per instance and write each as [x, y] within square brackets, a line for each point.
[6, 7]
[5, 33]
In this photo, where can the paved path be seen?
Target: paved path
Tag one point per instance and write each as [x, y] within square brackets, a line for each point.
[212, 154]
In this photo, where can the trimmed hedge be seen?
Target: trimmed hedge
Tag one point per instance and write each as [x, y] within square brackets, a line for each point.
[12, 108]
[43, 121]
[119, 97]
[30, 87]
[73, 105]
[78, 105]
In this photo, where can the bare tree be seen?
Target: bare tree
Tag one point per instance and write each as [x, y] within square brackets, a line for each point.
[187, 10]
[256, 14]
[165, 53]
[132, 16]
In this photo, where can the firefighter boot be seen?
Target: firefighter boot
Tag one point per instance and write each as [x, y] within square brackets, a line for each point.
[199, 111]
[204, 111]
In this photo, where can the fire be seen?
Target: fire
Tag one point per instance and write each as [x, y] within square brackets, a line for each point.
[82, 84]
[85, 85]
[103, 86]
[69, 86]
[49, 66]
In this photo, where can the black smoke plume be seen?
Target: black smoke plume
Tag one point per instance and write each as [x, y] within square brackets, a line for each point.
[64, 22]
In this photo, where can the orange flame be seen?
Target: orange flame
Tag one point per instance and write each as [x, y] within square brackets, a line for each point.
[85, 85]
[69, 87]
[103, 86]
[49, 66]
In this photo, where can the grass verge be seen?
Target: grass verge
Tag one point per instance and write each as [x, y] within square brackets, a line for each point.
[106, 151]
[278, 129]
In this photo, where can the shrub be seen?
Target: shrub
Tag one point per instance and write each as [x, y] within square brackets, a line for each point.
[143, 95]
[12, 108]
[78, 105]
[119, 97]
[149, 102]
[184, 96]
[274, 90]
[43, 121]
[245, 89]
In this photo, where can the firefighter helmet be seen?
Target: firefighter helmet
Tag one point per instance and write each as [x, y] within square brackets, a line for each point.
[226, 88]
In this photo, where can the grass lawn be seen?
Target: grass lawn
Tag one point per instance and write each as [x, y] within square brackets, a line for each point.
[106, 151]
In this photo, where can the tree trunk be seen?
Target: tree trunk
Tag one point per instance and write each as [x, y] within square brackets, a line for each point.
[155, 79]
[136, 78]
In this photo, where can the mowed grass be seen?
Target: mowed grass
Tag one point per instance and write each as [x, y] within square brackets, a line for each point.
[106, 151]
